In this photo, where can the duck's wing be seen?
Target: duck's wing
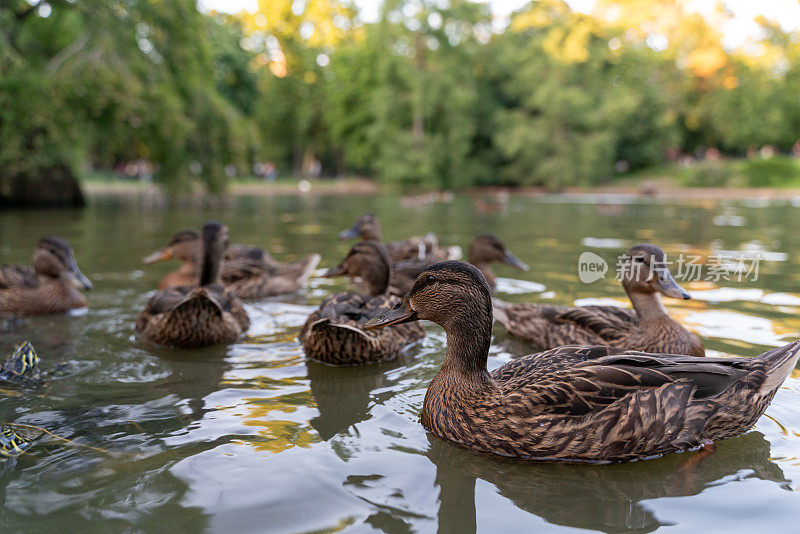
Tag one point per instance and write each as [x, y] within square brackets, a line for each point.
[165, 299]
[241, 268]
[549, 326]
[577, 381]
[17, 276]
[608, 322]
[238, 251]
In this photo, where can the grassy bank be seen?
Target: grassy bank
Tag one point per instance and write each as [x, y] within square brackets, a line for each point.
[731, 178]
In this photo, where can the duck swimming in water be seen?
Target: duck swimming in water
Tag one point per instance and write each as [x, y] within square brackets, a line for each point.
[590, 403]
[191, 317]
[484, 250]
[52, 285]
[367, 227]
[249, 272]
[647, 327]
[334, 333]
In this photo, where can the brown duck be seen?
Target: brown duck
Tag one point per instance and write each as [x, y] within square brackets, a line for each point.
[249, 272]
[334, 333]
[426, 247]
[191, 317]
[647, 327]
[52, 285]
[484, 250]
[587, 403]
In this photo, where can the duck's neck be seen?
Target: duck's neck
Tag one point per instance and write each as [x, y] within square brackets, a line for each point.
[469, 336]
[209, 272]
[377, 278]
[190, 267]
[649, 308]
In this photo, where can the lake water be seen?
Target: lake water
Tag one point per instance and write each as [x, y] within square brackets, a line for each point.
[252, 437]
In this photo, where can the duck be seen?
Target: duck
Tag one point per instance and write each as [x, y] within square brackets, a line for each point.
[647, 327]
[249, 272]
[426, 247]
[334, 333]
[577, 402]
[52, 285]
[191, 317]
[484, 250]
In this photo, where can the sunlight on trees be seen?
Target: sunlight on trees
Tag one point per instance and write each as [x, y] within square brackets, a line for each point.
[436, 94]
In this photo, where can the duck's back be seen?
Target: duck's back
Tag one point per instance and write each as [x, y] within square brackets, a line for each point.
[548, 326]
[334, 333]
[255, 278]
[17, 276]
[187, 317]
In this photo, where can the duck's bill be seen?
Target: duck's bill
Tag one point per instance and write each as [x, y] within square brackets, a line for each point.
[399, 314]
[159, 255]
[510, 259]
[350, 233]
[666, 284]
[333, 271]
[77, 278]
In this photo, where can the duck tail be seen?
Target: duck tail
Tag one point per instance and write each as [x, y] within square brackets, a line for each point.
[311, 263]
[194, 305]
[779, 363]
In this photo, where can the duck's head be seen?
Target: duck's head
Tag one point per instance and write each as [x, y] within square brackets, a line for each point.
[184, 246]
[54, 257]
[487, 248]
[368, 261]
[645, 271]
[367, 227]
[453, 294]
[215, 245]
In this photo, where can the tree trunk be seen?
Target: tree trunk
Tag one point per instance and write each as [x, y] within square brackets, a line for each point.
[53, 187]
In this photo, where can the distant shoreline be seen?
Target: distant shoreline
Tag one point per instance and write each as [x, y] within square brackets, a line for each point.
[655, 189]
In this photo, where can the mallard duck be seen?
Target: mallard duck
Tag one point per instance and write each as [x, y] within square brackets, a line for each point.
[190, 317]
[426, 247]
[647, 327]
[52, 285]
[484, 250]
[575, 402]
[249, 272]
[333, 334]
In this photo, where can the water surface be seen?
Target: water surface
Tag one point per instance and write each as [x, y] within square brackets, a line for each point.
[254, 437]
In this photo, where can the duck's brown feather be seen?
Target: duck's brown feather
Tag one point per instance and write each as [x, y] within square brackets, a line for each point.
[22, 292]
[547, 327]
[334, 333]
[252, 278]
[187, 317]
[602, 403]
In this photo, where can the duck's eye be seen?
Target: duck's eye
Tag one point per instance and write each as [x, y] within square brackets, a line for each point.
[431, 278]
[638, 259]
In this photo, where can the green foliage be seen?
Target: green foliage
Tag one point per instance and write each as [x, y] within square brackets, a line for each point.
[431, 95]
[714, 173]
[102, 83]
[772, 172]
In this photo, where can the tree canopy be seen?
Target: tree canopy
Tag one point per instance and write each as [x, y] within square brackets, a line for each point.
[435, 93]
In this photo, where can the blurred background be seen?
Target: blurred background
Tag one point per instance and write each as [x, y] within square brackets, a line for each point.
[432, 94]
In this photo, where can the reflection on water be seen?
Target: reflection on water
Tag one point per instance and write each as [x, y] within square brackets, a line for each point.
[255, 438]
